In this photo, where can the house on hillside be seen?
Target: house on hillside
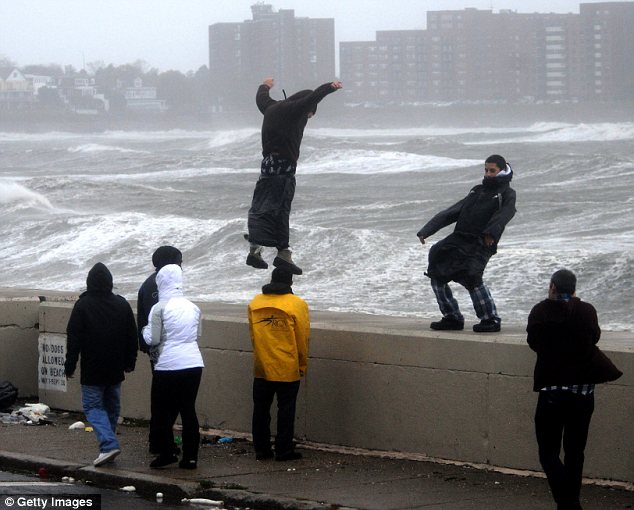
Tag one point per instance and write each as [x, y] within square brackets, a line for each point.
[143, 99]
[16, 91]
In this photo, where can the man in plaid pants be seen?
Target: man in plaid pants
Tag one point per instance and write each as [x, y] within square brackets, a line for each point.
[480, 219]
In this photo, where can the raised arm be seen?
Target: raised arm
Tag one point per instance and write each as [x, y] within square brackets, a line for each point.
[307, 103]
[262, 98]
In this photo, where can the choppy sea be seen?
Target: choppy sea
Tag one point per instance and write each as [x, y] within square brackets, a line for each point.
[68, 200]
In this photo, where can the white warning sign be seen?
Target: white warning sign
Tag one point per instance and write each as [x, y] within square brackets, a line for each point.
[52, 354]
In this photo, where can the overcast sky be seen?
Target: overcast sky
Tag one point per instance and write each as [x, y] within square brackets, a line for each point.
[172, 34]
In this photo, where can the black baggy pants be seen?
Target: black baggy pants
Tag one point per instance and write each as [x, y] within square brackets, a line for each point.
[563, 415]
[174, 392]
[263, 393]
[268, 220]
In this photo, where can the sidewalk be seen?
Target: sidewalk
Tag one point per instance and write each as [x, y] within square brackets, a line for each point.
[321, 480]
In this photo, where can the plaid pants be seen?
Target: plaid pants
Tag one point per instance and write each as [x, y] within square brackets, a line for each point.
[481, 298]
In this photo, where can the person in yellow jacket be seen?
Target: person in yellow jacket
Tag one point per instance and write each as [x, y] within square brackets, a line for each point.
[280, 325]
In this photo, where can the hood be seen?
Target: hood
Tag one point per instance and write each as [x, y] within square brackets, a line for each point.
[166, 255]
[169, 281]
[300, 95]
[504, 177]
[99, 279]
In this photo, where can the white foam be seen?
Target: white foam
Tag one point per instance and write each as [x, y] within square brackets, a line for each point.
[11, 192]
[573, 133]
[168, 175]
[376, 162]
[431, 131]
[95, 147]
[221, 138]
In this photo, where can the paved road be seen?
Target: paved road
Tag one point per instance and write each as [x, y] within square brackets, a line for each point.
[14, 486]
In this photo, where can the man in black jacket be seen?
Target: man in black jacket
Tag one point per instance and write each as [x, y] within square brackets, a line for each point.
[564, 331]
[282, 131]
[102, 330]
[480, 219]
[147, 297]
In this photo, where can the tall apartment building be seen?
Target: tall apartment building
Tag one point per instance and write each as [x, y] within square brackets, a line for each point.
[388, 69]
[608, 39]
[297, 52]
[479, 55]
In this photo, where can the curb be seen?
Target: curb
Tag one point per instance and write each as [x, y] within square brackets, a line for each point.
[149, 485]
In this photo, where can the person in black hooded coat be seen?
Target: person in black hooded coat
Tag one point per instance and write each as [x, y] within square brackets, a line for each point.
[148, 292]
[282, 131]
[480, 219]
[147, 297]
[101, 329]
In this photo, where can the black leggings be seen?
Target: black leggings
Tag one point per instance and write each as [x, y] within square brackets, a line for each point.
[174, 392]
[563, 415]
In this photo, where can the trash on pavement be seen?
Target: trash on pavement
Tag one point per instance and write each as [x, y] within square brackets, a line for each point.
[33, 414]
[203, 501]
[128, 488]
[77, 425]
[224, 440]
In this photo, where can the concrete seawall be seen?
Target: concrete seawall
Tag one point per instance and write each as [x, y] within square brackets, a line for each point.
[380, 383]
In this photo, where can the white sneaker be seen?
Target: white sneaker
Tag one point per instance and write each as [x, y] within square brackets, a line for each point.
[106, 457]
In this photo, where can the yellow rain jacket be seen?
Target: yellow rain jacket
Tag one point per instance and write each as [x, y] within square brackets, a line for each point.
[279, 326]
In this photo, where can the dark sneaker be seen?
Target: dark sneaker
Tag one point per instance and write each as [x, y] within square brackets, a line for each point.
[155, 450]
[188, 464]
[163, 460]
[256, 261]
[448, 324]
[288, 266]
[292, 455]
[487, 326]
[264, 455]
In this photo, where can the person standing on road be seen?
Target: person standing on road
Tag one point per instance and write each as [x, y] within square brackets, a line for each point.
[282, 131]
[147, 297]
[462, 257]
[101, 329]
[564, 331]
[173, 330]
[279, 324]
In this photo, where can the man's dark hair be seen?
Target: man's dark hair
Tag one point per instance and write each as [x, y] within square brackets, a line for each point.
[564, 281]
[498, 160]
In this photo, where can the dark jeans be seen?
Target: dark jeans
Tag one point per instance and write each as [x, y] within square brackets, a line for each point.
[263, 393]
[563, 414]
[174, 392]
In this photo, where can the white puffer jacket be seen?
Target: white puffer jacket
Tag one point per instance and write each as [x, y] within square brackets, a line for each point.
[174, 324]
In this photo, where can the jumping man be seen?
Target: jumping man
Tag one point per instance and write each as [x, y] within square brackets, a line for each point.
[282, 131]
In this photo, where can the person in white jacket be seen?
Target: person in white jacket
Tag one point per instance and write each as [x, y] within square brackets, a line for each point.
[172, 333]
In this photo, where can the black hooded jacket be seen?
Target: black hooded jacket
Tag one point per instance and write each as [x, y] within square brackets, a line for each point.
[463, 256]
[147, 296]
[284, 121]
[102, 330]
